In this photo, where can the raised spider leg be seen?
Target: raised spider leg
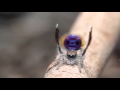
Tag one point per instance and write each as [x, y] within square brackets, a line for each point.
[81, 57]
[57, 38]
[89, 41]
[60, 56]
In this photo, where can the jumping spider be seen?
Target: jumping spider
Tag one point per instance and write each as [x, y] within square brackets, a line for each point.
[70, 51]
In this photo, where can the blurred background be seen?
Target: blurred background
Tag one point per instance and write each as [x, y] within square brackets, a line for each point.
[27, 44]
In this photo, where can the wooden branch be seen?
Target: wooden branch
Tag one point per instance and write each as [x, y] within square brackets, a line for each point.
[105, 34]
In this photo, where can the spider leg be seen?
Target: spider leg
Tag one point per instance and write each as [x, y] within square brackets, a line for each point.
[57, 38]
[60, 55]
[81, 57]
[79, 61]
[60, 61]
[89, 41]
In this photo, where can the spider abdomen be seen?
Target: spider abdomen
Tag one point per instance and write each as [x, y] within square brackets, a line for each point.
[72, 42]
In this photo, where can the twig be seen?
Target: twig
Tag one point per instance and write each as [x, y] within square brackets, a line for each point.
[105, 34]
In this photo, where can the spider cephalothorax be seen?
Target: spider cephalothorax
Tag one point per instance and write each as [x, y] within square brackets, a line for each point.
[70, 49]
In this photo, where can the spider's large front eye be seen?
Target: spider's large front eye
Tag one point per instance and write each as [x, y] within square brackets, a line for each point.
[72, 42]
